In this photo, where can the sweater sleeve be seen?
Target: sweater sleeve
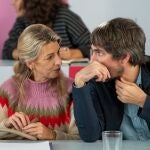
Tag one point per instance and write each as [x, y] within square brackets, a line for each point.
[3, 114]
[3, 111]
[8, 95]
[72, 131]
[11, 43]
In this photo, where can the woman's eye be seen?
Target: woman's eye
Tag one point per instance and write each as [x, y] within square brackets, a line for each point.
[58, 53]
[50, 57]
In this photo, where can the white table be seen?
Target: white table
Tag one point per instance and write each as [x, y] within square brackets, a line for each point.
[80, 145]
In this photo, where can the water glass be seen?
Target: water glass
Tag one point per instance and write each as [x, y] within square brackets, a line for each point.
[112, 140]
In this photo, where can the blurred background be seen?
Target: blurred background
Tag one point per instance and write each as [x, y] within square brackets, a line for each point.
[93, 12]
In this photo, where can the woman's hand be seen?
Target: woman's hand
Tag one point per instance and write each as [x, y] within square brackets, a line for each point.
[18, 120]
[40, 131]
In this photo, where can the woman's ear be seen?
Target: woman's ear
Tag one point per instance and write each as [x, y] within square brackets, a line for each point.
[125, 58]
[30, 65]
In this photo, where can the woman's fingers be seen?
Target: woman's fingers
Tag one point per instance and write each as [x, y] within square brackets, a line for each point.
[14, 124]
[22, 117]
[19, 120]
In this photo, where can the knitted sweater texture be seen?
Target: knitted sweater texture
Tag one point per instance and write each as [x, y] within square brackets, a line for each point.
[42, 102]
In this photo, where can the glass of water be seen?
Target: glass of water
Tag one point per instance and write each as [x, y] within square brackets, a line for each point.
[112, 140]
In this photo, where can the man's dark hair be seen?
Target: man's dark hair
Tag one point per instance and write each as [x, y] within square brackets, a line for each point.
[120, 36]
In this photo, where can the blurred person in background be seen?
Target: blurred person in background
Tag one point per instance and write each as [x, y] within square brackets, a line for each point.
[55, 14]
[38, 90]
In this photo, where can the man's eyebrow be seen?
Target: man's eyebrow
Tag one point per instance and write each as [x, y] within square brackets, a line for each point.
[97, 49]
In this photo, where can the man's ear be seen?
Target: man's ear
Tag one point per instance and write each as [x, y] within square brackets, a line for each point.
[30, 64]
[125, 58]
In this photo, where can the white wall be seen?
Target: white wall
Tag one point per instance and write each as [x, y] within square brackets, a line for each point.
[93, 12]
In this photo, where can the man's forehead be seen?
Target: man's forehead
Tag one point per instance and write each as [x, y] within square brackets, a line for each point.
[97, 48]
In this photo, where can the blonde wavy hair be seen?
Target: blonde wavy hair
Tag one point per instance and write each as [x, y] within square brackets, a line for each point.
[30, 44]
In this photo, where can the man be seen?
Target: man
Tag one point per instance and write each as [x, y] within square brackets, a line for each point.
[113, 91]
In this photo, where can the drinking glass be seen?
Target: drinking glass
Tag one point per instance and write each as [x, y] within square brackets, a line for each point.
[112, 140]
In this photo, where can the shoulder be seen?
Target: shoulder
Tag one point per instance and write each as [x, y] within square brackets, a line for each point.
[20, 24]
[22, 21]
[8, 82]
[9, 87]
[67, 14]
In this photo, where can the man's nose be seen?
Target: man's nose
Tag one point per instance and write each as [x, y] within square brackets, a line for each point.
[93, 57]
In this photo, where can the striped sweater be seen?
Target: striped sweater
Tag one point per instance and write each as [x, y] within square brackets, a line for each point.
[67, 25]
[40, 102]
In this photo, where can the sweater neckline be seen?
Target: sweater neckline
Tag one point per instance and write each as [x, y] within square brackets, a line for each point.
[39, 82]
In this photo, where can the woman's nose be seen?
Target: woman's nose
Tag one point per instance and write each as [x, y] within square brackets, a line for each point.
[58, 60]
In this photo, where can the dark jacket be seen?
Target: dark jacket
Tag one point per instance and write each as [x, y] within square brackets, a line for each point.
[97, 108]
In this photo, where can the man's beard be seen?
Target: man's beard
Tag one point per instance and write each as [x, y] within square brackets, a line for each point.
[116, 73]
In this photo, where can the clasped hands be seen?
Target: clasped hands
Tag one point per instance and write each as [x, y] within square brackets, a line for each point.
[127, 92]
[20, 121]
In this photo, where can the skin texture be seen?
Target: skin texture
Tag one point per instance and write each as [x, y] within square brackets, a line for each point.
[17, 4]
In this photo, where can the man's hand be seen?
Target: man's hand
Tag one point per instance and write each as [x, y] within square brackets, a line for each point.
[129, 92]
[40, 131]
[94, 69]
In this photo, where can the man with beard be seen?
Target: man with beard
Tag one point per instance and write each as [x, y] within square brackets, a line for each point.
[113, 91]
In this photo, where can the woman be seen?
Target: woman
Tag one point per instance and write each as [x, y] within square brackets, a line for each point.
[55, 14]
[38, 90]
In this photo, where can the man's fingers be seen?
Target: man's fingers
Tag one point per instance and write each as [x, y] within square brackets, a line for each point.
[126, 82]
